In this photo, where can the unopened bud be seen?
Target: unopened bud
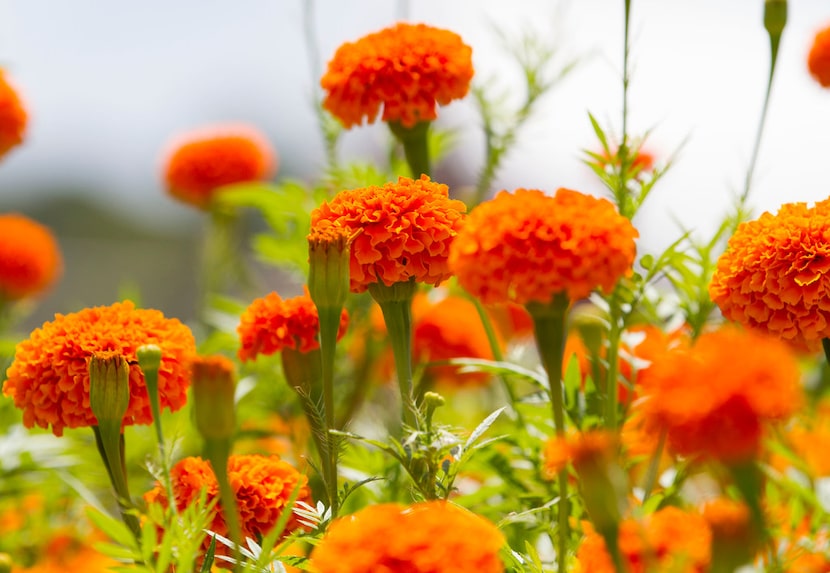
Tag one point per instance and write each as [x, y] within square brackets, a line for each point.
[213, 397]
[109, 387]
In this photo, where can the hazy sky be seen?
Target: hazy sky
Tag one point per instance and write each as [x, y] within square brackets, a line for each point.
[107, 84]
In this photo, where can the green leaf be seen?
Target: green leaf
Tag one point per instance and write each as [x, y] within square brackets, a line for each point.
[114, 528]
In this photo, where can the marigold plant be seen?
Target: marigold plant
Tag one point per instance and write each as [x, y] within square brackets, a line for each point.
[200, 162]
[13, 116]
[775, 275]
[30, 258]
[263, 486]
[818, 59]
[668, 540]
[714, 398]
[49, 377]
[408, 227]
[407, 69]
[527, 246]
[427, 537]
[272, 323]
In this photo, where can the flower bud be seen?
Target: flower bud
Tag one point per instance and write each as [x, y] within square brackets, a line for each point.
[328, 259]
[213, 397]
[109, 387]
[775, 17]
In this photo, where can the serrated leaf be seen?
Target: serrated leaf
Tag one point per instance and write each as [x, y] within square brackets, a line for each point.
[482, 427]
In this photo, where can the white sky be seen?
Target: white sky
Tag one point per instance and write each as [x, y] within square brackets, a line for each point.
[108, 82]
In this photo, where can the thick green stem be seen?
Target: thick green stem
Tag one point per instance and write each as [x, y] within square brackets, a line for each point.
[217, 452]
[396, 304]
[550, 329]
[110, 442]
[329, 326]
[415, 146]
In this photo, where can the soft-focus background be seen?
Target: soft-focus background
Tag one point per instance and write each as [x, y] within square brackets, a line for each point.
[108, 84]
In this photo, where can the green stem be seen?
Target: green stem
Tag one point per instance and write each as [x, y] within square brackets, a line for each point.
[396, 304]
[495, 349]
[217, 452]
[654, 467]
[415, 146]
[151, 382]
[550, 329]
[329, 326]
[110, 443]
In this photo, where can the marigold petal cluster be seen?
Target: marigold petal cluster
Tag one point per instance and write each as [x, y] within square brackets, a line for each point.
[714, 398]
[775, 275]
[49, 377]
[818, 59]
[272, 323]
[407, 69]
[263, 486]
[30, 259]
[13, 116]
[579, 449]
[451, 328]
[427, 537]
[200, 162]
[66, 552]
[527, 246]
[668, 540]
[408, 227]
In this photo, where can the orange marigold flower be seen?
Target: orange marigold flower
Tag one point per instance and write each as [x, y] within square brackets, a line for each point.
[775, 275]
[272, 323]
[667, 540]
[427, 537]
[407, 230]
[729, 520]
[202, 161]
[30, 259]
[579, 449]
[527, 246]
[818, 60]
[13, 116]
[810, 441]
[49, 378]
[66, 552]
[263, 485]
[449, 329]
[407, 69]
[714, 398]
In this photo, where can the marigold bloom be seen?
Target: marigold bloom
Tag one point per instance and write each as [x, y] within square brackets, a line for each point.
[13, 116]
[272, 323]
[450, 329]
[714, 398]
[263, 485]
[49, 377]
[775, 275]
[667, 540]
[407, 230]
[818, 60]
[202, 161]
[407, 69]
[427, 537]
[728, 520]
[527, 246]
[578, 449]
[30, 259]
[65, 552]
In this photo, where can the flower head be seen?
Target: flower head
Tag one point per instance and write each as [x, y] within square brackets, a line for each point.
[407, 69]
[263, 486]
[30, 260]
[584, 449]
[13, 116]
[49, 378]
[272, 323]
[407, 230]
[667, 540]
[527, 246]
[201, 162]
[427, 537]
[775, 275]
[713, 399]
[818, 60]
[449, 329]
